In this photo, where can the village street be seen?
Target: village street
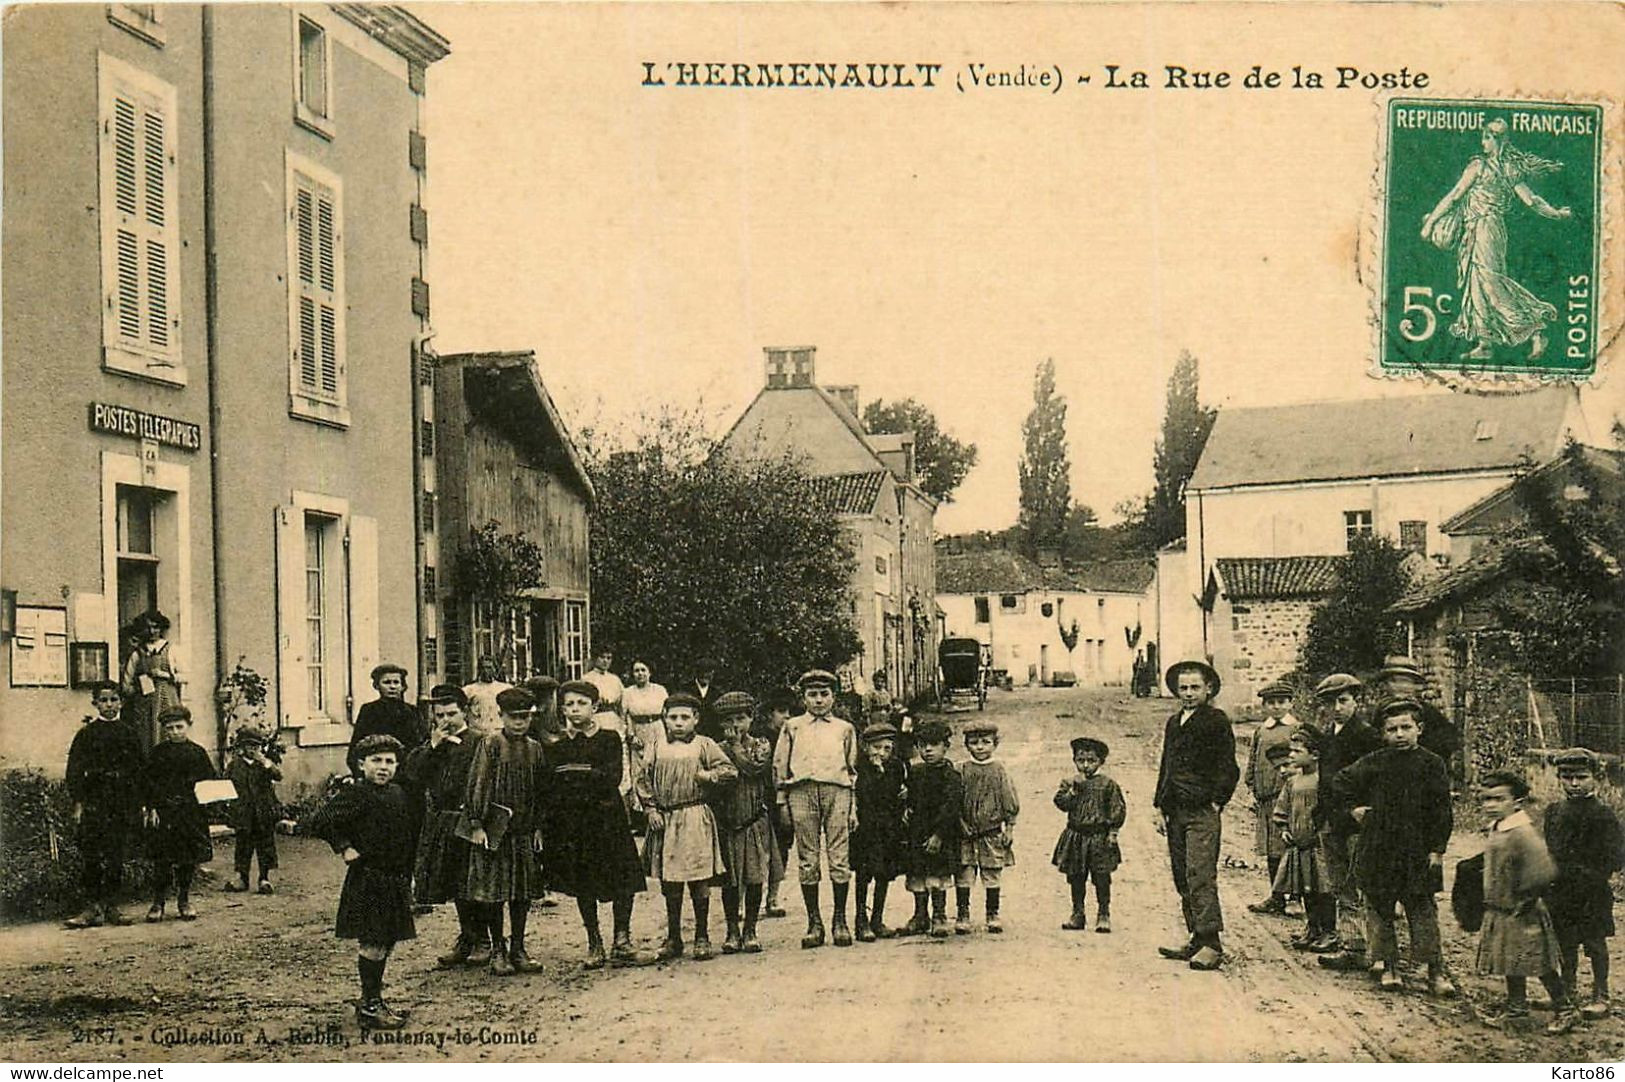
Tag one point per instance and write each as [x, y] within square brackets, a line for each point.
[260, 969]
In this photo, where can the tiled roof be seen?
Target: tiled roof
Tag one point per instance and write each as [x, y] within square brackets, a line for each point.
[1483, 568]
[1000, 571]
[1276, 577]
[1381, 437]
[849, 493]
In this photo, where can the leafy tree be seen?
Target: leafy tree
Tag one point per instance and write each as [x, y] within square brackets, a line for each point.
[1185, 427]
[1351, 631]
[1069, 632]
[942, 461]
[494, 570]
[696, 553]
[1045, 468]
[1564, 593]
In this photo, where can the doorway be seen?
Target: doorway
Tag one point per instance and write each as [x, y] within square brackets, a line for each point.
[138, 563]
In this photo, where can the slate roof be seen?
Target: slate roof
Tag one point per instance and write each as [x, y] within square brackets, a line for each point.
[1501, 506]
[849, 493]
[1273, 578]
[1381, 437]
[804, 422]
[1000, 571]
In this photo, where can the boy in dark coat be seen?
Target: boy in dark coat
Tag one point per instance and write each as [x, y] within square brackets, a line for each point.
[1583, 836]
[935, 799]
[253, 816]
[878, 843]
[389, 714]
[437, 772]
[369, 824]
[179, 839]
[1400, 796]
[1347, 739]
[1195, 780]
[104, 778]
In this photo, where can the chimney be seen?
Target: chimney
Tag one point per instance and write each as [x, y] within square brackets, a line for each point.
[789, 367]
[846, 395]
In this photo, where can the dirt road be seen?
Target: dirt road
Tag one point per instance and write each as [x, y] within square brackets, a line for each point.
[263, 978]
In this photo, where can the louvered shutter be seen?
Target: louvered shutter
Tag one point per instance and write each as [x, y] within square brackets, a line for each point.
[318, 271]
[292, 677]
[363, 602]
[139, 223]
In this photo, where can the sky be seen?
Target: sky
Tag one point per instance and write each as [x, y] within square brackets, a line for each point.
[648, 242]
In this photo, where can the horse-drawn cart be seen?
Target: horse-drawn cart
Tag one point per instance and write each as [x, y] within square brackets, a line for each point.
[964, 679]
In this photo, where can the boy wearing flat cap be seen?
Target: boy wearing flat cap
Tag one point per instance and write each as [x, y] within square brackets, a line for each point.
[1402, 678]
[1347, 738]
[815, 765]
[879, 843]
[1195, 780]
[1264, 782]
[1583, 836]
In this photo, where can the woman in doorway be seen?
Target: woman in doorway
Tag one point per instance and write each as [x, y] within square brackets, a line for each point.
[150, 682]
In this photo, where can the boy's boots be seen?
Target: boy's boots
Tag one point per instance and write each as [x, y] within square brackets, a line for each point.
[839, 932]
[501, 964]
[731, 940]
[1103, 920]
[939, 914]
[596, 958]
[920, 923]
[961, 911]
[860, 926]
[877, 915]
[994, 926]
[460, 951]
[815, 920]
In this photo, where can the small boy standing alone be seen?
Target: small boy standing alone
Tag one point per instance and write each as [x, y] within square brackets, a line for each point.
[253, 815]
[1087, 850]
[1264, 782]
[987, 825]
[104, 778]
[936, 799]
[1400, 796]
[815, 765]
[1583, 836]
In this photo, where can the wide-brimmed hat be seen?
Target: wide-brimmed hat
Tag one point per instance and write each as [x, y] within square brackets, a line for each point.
[818, 678]
[1336, 683]
[1209, 673]
[1399, 665]
[1089, 743]
[1278, 689]
[880, 730]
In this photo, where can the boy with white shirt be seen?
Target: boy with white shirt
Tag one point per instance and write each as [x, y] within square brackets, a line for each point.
[815, 766]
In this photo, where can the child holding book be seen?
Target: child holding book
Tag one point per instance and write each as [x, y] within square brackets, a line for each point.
[683, 848]
[1583, 836]
[1087, 850]
[1517, 940]
[369, 824]
[987, 824]
[179, 837]
[502, 806]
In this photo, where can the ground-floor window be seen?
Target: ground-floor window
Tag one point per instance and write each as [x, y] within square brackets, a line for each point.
[575, 639]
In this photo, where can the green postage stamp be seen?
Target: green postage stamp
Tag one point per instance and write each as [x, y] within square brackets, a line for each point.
[1491, 237]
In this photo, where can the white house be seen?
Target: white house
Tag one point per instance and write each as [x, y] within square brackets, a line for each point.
[1019, 609]
[1280, 483]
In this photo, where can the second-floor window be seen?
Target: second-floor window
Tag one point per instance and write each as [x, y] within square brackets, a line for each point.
[312, 77]
[1356, 524]
[140, 228]
[316, 380]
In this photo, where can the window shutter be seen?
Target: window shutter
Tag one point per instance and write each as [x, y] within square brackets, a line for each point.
[290, 616]
[318, 271]
[363, 601]
[140, 231]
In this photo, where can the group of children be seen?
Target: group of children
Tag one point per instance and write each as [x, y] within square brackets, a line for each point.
[1355, 817]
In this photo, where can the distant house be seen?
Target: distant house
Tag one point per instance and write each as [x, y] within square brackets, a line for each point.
[869, 481]
[505, 456]
[1018, 607]
[1305, 480]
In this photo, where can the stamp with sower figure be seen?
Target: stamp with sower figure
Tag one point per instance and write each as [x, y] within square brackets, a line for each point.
[1491, 237]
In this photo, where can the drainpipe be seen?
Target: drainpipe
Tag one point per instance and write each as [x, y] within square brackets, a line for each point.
[211, 321]
[1201, 567]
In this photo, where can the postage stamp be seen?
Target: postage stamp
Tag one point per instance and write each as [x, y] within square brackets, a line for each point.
[1491, 237]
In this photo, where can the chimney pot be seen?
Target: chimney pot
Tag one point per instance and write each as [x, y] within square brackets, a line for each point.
[789, 367]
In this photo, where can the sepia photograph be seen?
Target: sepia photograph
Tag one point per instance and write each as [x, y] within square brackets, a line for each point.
[805, 532]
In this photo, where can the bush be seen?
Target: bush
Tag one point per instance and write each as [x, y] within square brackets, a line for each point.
[39, 851]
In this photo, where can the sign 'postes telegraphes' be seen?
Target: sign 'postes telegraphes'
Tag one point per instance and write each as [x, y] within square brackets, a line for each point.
[123, 421]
